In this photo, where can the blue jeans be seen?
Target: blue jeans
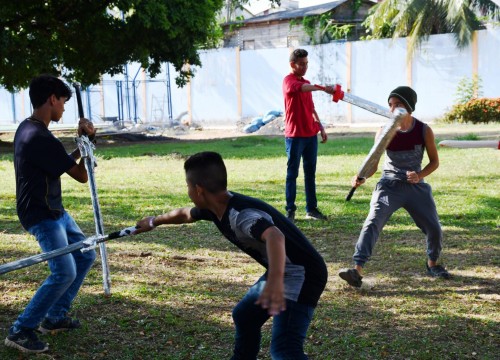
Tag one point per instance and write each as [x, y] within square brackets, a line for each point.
[307, 149]
[288, 333]
[53, 299]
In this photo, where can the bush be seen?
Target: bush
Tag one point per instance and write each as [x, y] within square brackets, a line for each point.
[468, 89]
[475, 111]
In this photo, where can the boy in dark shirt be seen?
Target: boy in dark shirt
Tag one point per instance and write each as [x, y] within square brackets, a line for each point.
[295, 274]
[39, 161]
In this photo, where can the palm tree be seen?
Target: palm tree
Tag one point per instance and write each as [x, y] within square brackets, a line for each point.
[417, 19]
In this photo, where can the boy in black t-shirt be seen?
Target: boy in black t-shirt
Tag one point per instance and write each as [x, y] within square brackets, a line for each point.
[39, 161]
[295, 274]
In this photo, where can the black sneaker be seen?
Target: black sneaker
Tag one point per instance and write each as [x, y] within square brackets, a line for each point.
[315, 215]
[64, 324]
[438, 271]
[352, 277]
[290, 215]
[25, 340]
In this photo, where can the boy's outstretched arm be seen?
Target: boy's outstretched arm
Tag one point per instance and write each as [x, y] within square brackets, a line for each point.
[273, 295]
[176, 216]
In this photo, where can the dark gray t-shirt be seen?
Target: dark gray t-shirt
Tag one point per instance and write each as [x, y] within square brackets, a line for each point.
[243, 224]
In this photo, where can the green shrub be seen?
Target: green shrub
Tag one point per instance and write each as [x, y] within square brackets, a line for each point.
[475, 111]
[468, 89]
[470, 136]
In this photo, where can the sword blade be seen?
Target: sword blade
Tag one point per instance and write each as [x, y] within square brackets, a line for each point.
[81, 245]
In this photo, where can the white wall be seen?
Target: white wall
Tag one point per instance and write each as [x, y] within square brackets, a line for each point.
[214, 92]
[261, 87]
[489, 61]
[232, 85]
[437, 70]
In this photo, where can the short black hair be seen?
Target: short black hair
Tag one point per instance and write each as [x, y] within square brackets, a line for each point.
[43, 86]
[298, 54]
[207, 170]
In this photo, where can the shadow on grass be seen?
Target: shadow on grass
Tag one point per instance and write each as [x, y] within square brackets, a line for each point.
[157, 317]
[164, 307]
[139, 327]
[366, 329]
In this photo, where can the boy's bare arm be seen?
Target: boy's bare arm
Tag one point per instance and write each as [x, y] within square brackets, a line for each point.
[273, 295]
[176, 216]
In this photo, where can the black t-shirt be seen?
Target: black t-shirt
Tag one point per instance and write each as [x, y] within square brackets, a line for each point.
[39, 161]
[244, 222]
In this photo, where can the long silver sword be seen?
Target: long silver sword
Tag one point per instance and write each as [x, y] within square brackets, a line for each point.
[379, 147]
[84, 245]
[339, 94]
[87, 152]
[385, 136]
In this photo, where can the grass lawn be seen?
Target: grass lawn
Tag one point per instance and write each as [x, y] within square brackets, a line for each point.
[173, 289]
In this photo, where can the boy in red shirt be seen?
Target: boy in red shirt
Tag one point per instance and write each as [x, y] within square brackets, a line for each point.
[302, 125]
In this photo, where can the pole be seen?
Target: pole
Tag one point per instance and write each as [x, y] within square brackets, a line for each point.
[86, 148]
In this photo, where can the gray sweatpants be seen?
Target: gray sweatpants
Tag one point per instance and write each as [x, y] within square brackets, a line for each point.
[389, 196]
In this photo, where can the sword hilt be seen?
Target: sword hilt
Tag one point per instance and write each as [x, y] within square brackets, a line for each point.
[338, 93]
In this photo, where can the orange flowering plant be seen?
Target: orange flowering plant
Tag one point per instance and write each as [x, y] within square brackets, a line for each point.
[475, 111]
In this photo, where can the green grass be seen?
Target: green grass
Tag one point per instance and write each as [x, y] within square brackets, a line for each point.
[468, 137]
[173, 289]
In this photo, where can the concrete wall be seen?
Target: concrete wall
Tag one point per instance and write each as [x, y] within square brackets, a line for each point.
[233, 84]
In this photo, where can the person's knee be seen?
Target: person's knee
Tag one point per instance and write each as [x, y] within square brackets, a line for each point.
[292, 174]
[90, 257]
[248, 317]
[64, 276]
[238, 314]
[309, 169]
[85, 260]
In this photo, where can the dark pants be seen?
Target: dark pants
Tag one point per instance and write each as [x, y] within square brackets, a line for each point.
[389, 196]
[307, 149]
[288, 333]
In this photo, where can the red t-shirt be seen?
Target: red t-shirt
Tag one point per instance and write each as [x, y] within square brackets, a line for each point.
[299, 107]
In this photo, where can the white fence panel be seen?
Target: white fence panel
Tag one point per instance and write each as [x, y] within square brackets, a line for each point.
[232, 85]
[261, 80]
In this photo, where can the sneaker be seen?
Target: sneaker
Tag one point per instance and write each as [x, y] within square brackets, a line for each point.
[25, 340]
[64, 324]
[352, 277]
[290, 215]
[315, 215]
[438, 271]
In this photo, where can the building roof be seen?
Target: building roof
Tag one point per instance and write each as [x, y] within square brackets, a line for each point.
[295, 13]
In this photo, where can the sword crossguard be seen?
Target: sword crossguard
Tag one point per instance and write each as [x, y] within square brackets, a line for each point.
[338, 93]
[85, 146]
[90, 243]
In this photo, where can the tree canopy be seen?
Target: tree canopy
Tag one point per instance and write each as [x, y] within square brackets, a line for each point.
[417, 19]
[82, 39]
